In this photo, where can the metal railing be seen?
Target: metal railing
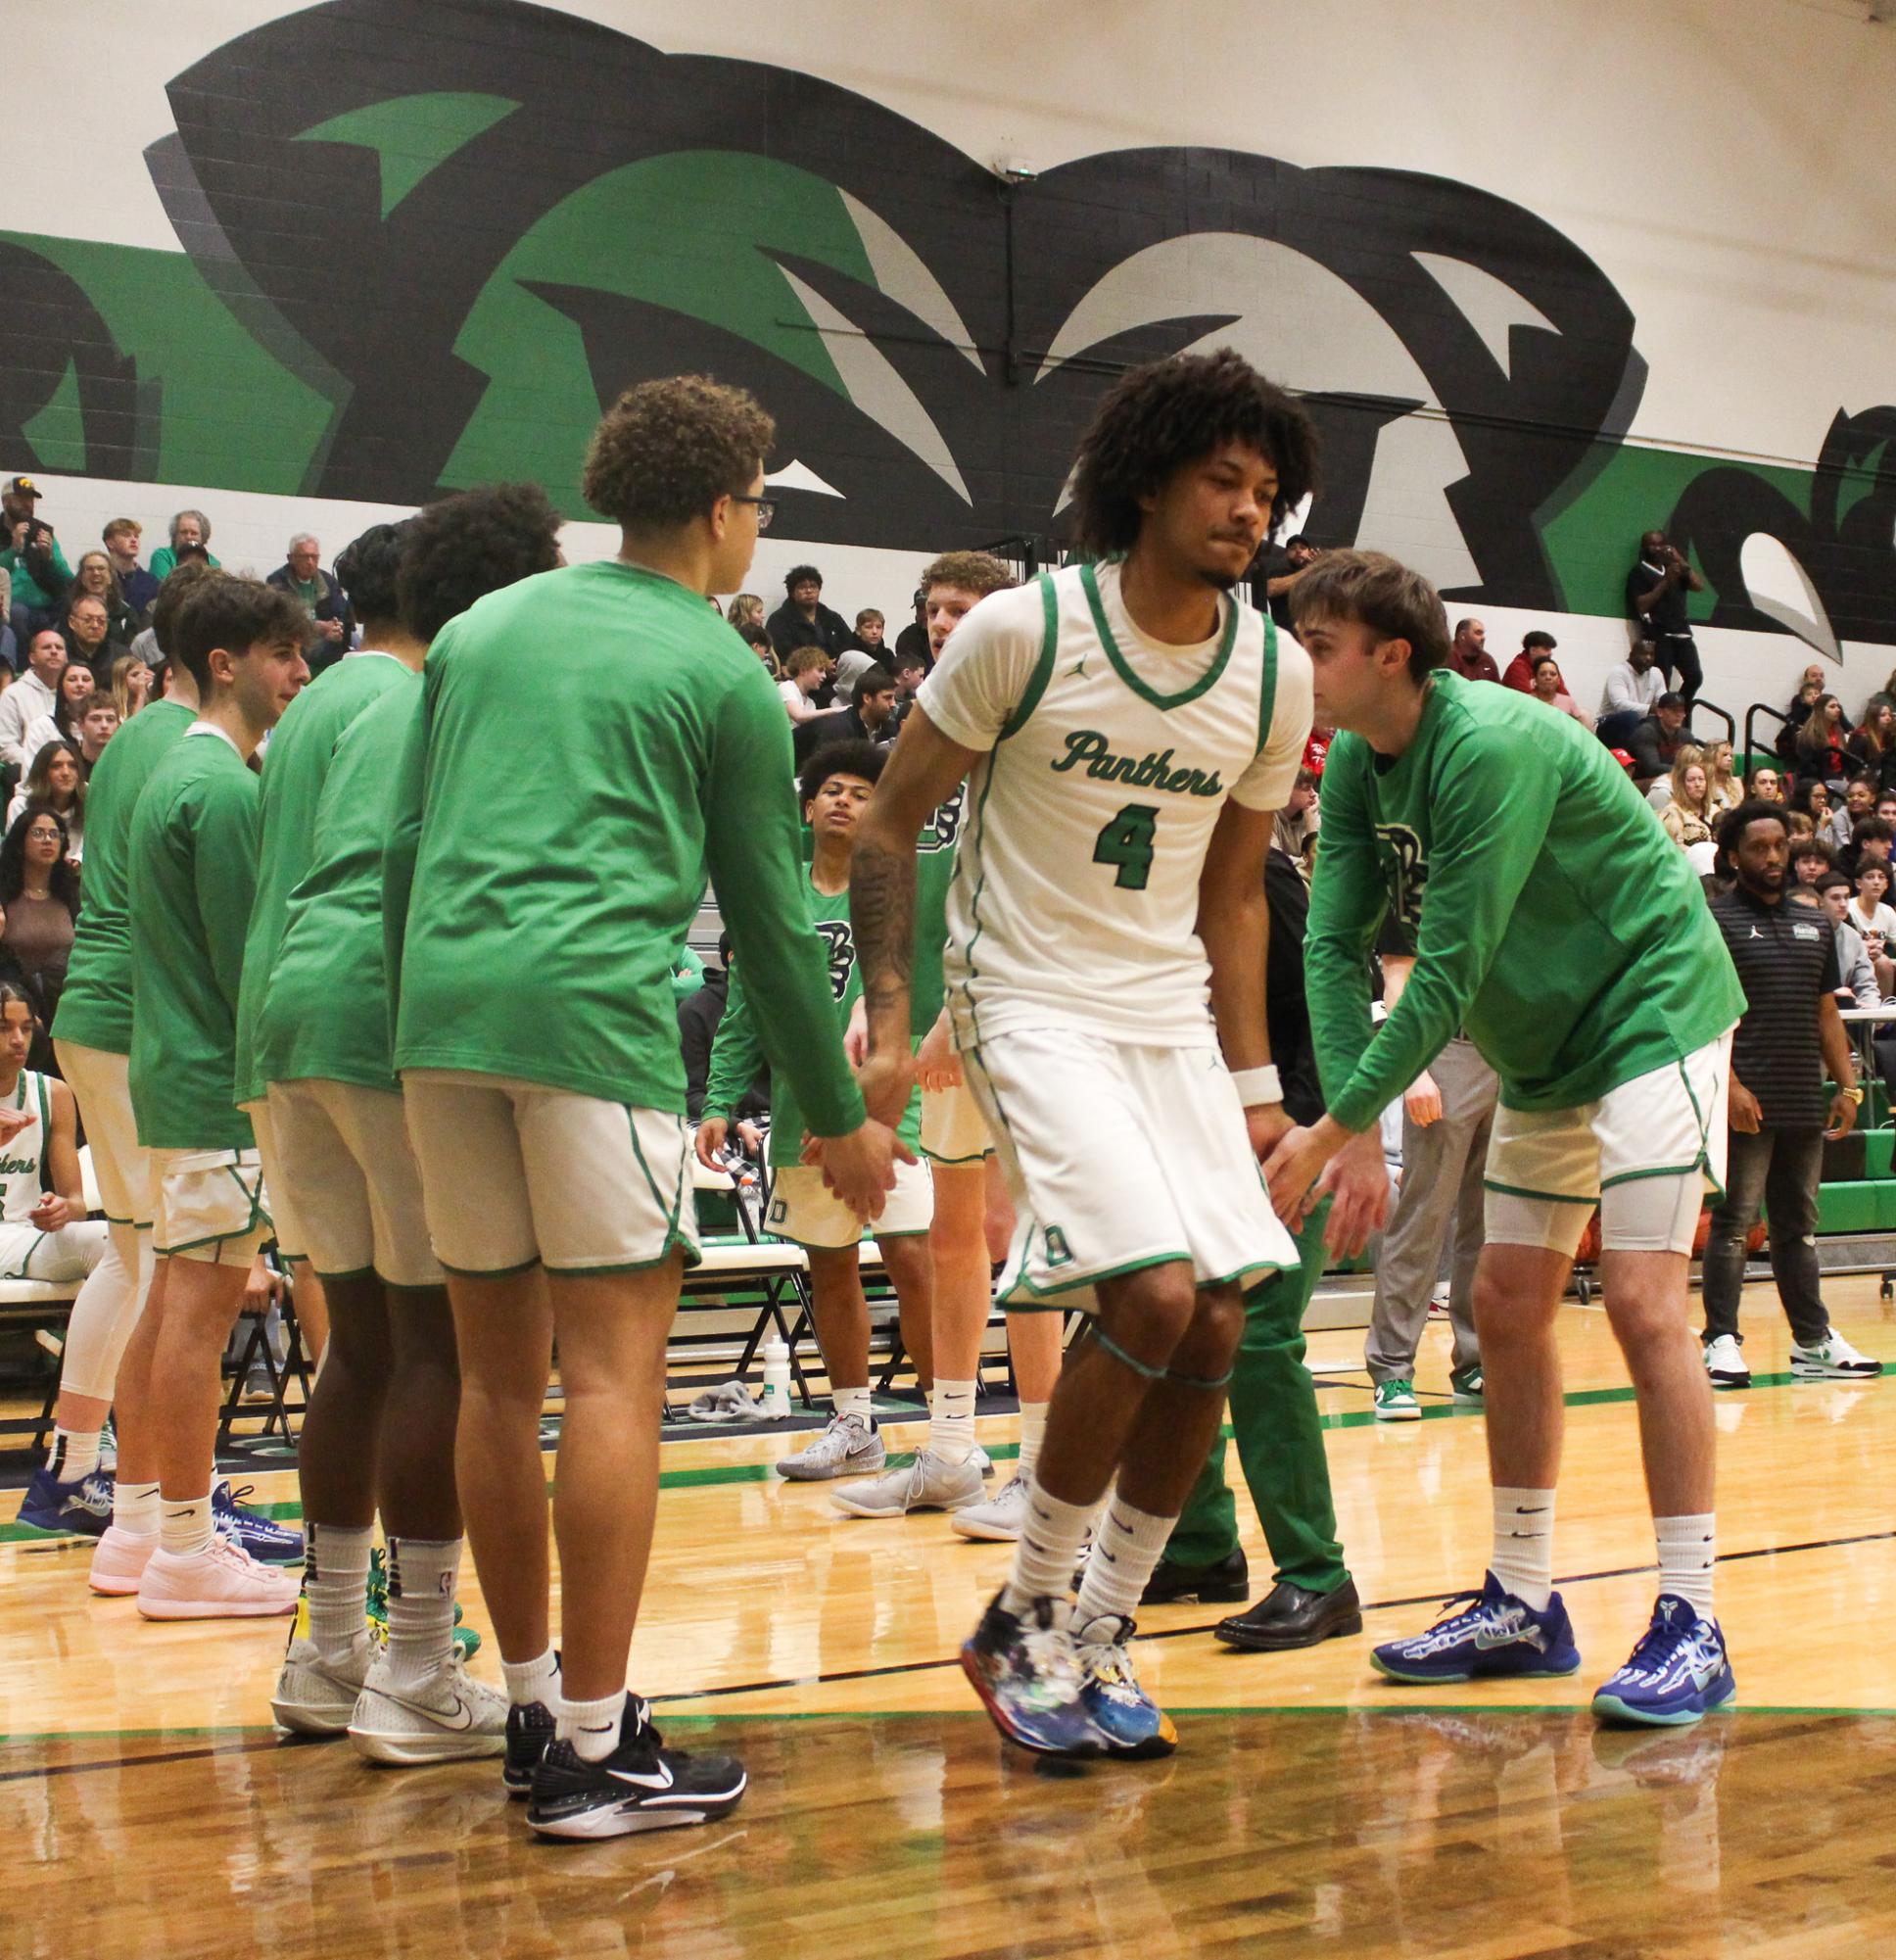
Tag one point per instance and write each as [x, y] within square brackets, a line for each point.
[1724, 714]
[1751, 715]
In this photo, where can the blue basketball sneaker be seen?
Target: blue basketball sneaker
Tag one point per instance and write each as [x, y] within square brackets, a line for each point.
[266, 1541]
[1677, 1674]
[1026, 1671]
[1131, 1724]
[81, 1508]
[1496, 1633]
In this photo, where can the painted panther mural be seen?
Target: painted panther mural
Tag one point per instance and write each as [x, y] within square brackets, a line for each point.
[418, 257]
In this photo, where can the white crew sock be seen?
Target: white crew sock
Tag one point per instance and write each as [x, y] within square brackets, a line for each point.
[135, 1507]
[1033, 1427]
[1523, 1558]
[951, 1421]
[1125, 1549]
[1688, 1550]
[1047, 1550]
[185, 1525]
[852, 1401]
[592, 1727]
[335, 1576]
[74, 1454]
[422, 1607]
[531, 1680]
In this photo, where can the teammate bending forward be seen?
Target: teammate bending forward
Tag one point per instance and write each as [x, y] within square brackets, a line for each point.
[1131, 730]
[1561, 927]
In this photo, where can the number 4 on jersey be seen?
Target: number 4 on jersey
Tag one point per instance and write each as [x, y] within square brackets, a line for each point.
[1126, 841]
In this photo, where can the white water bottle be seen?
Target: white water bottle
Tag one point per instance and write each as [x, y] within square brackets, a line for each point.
[777, 1381]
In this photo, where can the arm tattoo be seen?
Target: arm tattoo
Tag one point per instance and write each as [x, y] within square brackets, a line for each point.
[881, 914]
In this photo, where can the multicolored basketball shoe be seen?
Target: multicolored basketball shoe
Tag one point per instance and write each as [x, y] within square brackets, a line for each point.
[1131, 1724]
[1494, 1635]
[266, 1541]
[1677, 1674]
[467, 1642]
[1026, 1670]
[81, 1508]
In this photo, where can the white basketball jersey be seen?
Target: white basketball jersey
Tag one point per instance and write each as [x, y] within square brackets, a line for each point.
[21, 1156]
[1107, 758]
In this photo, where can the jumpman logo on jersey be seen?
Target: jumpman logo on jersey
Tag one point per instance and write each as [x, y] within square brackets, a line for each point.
[1077, 671]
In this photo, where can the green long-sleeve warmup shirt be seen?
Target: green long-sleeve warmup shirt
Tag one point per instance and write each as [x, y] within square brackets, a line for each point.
[587, 745]
[1553, 916]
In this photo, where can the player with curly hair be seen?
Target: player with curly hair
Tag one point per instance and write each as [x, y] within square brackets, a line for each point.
[1128, 731]
[531, 948]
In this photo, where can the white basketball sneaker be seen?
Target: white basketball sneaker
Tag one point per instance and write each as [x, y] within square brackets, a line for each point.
[998, 1521]
[448, 1718]
[315, 1697]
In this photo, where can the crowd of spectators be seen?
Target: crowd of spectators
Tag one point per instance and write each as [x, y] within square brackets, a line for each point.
[78, 657]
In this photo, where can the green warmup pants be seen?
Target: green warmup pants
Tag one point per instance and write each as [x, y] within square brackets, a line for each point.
[1280, 1440]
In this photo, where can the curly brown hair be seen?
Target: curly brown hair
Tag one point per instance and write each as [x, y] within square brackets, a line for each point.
[978, 572]
[1157, 418]
[804, 660]
[1376, 591]
[666, 451]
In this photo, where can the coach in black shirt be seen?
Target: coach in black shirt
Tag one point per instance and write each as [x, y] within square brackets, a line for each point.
[1790, 1034]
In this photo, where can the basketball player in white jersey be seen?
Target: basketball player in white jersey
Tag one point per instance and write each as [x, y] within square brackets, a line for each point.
[1128, 730]
[44, 1231]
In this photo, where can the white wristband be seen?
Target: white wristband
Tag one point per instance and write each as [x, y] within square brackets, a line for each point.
[1256, 1086]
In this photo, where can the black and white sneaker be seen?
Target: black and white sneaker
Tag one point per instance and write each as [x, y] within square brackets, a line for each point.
[530, 1735]
[641, 1786]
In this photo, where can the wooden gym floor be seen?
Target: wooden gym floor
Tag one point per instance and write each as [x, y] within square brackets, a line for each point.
[146, 1807]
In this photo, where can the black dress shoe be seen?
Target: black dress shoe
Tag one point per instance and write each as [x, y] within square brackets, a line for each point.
[1217, 1584]
[1290, 1617]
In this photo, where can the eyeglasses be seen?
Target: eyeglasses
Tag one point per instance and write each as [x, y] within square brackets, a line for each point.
[766, 509]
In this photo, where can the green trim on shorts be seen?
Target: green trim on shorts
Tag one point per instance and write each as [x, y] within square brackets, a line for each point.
[259, 1232]
[490, 1271]
[355, 1272]
[692, 1257]
[671, 1234]
[39, 1239]
[927, 1156]
[1244, 1272]
[1659, 1171]
[1094, 1278]
[1546, 1197]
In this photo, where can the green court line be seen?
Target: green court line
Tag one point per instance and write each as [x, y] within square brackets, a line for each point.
[673, 1720]
[761, 1473]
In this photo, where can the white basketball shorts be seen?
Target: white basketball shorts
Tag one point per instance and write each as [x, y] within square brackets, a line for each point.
[514, 1173]
[346, 1156]
[1647, 1153]
[1119, 1157]
[806, 1211]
